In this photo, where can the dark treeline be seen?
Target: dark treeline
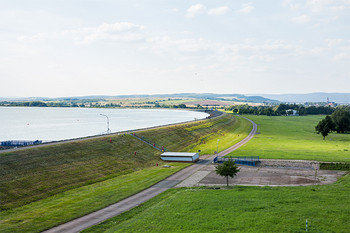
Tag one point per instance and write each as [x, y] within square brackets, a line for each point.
[338, 121]
[282, 110]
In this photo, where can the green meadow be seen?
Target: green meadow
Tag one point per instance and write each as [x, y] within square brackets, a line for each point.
[255, 209]
[45, 186]
[288, 137]
[240, 209]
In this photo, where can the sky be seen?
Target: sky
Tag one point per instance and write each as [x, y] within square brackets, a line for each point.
[55, 48]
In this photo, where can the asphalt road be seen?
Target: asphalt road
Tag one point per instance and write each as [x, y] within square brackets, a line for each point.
[94, 218]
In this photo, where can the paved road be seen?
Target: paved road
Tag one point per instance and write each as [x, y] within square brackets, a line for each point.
[94, 218]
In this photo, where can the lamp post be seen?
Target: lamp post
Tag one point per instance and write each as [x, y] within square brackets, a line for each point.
[108, 130]
[217, 146]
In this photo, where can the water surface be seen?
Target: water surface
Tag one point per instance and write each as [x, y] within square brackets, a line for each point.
[51, 124]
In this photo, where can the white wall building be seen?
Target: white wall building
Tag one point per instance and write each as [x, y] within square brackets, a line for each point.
[180, 157]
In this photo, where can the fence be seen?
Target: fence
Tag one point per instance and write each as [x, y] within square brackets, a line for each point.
[243, 160]
[149, 142]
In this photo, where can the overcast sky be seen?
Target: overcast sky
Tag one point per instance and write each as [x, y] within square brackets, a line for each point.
[113, 47]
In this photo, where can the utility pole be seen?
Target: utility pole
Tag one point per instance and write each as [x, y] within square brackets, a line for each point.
[108, 130]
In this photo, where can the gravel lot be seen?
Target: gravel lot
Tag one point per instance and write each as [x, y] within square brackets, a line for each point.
[263, 176]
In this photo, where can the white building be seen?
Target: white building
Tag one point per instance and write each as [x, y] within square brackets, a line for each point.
[180, 157]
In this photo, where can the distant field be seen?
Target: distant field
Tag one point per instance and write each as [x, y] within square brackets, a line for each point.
[284, 137]
[240, 209]
[42, 187]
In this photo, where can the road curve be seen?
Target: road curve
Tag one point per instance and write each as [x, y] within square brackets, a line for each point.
[94, 218]
[241, 143]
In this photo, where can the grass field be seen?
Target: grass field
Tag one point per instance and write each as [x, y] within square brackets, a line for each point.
[240, 209]
[255, 209]
[284, 137]
[62, 207]
[42, 187]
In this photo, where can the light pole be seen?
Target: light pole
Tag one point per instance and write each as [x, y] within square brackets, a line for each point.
[108, 130]
[217, 146]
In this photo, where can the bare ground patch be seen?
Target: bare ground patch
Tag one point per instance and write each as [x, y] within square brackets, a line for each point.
[263, 176]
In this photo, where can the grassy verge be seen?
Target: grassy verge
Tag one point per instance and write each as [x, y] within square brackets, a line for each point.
[202, 136]
[240, 209]
[295, 138]
[44, 214]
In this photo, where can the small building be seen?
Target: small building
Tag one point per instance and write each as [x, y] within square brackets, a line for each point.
[180, 157]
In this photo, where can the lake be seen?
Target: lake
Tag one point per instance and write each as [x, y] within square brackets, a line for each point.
[52, 124]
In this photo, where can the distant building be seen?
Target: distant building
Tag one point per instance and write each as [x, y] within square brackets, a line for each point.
[180, 157]
[292, 112]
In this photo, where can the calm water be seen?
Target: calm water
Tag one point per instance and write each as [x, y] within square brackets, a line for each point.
[51, 124]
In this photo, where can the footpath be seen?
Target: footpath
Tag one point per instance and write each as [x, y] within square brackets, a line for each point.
[99, 216]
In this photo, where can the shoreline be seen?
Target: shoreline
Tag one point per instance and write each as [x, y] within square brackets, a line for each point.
[212, 114]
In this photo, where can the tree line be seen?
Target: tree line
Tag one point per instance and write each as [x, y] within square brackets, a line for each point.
[281, 110]
[338, 121]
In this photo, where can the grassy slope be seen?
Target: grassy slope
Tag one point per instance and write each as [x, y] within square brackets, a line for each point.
[44, 214]
[201, 135]
[295, 138]
[240, 209]
[41, 172]
[36, 173]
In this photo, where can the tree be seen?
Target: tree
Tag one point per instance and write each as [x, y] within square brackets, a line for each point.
[325, 126]
[227, 169]
[341, 119]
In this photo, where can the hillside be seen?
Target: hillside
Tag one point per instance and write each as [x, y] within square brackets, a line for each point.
[341, 98]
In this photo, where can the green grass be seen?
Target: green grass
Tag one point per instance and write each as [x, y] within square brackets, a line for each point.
[202, 135]
[240, 209]
[45, 186]
[44, 214]
[36, 173]
[295, 138]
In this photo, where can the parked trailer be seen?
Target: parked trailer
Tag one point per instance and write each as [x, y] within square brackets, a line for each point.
[243, 160]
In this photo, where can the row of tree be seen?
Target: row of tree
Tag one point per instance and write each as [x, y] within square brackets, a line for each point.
[281, 110]
[339, 122]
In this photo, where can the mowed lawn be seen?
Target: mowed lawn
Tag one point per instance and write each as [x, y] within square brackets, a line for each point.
[282, 137]
[240, 209]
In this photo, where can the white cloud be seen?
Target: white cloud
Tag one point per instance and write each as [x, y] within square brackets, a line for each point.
[318, 5]
[195, 9]
[301, 19]
[246, 8]
[219, 10]
[117, 32]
